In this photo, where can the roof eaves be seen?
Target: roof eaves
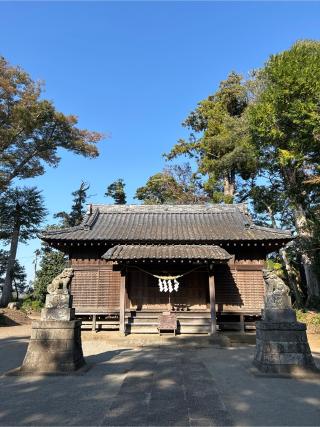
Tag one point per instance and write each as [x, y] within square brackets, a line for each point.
[272, 230]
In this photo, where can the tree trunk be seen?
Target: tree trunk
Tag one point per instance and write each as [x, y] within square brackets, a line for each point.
[291, 278]
[272, 218]
[312, 280]
[7, 286]
[17, 292]
[229, 183]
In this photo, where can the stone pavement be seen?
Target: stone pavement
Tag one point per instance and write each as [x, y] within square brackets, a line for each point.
[154, 382]
[167, 387]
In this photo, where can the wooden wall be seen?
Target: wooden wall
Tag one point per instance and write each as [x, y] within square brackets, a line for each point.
[239, 287]
[95, 286]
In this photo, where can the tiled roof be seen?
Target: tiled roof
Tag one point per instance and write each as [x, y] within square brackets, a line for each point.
[131, 252]
[166, 223]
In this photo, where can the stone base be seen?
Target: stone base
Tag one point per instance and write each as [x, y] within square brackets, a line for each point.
[282, 348]
[64, 314]
[54, 347]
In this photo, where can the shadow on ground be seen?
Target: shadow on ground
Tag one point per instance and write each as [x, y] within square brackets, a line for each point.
[179, 382]
[6, 321]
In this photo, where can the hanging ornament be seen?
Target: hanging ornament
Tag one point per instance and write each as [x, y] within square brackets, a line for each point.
[165, 287]
[168, 283]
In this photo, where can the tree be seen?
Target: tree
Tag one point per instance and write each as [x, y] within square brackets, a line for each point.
[21, 213]
[116, 191]
[32, 130]
[51, 264]
[19, 280]
[268, 201]
[285, 127]
[176, 184]
[19, 277]
[78, 208]
[220, 140]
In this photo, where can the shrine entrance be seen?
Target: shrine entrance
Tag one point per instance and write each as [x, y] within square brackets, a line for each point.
[176, 278]
[191, 292]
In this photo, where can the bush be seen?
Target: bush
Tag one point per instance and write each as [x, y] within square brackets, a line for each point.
[31, 304]
[311, 318]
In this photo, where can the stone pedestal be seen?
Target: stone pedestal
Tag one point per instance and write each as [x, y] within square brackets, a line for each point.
[281, 342]
[282, 345]
[55, 343]
[54, 347]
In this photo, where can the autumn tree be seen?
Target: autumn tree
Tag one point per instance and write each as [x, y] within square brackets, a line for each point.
[284, 122]
[116, 191]
[175, 184]
[78, 208]
[21, 213]
[219, 140]
[32, 130]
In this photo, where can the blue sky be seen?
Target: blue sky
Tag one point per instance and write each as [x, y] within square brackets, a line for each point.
[134, 70]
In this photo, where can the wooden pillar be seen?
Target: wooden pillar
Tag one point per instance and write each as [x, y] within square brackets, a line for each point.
[94, 325]
[212, 293]
[122, 302]
[242, 325]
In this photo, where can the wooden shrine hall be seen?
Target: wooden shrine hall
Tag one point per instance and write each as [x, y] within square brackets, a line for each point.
[133, 262]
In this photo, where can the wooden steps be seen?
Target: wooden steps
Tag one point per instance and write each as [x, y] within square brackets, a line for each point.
[139, 322]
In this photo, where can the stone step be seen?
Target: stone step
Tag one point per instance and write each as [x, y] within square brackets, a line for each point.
[145, 321]
[152, 329]
[179, 314]
[199, 320]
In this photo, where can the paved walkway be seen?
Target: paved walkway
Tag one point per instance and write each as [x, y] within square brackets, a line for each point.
[168, 387]
[154, 382]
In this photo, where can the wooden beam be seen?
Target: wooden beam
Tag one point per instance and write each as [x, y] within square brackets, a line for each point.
[212, 293]
[122, 302]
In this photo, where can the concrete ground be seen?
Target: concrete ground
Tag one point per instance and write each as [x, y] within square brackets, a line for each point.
[151, 381]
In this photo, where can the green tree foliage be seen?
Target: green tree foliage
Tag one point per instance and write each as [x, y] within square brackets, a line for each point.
[117, 192]
[220, 140]
[51, 264]
[285, 127]
[78, 208]
[32, 130]
[19, 277]
[176, 184]
[21, 213]
[269, 204]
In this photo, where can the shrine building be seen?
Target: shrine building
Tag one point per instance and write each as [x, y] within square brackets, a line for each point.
[133, 262]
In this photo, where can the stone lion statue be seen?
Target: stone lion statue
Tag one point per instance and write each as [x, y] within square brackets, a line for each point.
[59, 284]
[277, 292]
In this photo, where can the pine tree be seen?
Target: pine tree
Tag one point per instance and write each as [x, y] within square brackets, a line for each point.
[21, 213]
[19, 277]
[220, 139]
[78, 208]
[116, 191]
